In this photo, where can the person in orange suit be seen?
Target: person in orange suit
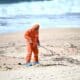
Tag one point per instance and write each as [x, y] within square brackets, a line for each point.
[32, 39]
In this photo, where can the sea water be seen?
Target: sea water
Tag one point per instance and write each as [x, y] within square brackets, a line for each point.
[49, 14]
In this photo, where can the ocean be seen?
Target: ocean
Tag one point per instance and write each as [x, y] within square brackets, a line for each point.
[21, 16]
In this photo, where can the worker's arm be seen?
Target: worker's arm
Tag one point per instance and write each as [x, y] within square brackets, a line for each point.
[28, 37]
[38, 40]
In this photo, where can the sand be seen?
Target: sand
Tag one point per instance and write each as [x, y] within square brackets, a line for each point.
[59, 56]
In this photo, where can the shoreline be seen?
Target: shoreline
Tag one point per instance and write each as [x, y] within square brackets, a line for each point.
[57, 28]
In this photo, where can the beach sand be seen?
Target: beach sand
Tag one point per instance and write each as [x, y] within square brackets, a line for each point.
[59, 56]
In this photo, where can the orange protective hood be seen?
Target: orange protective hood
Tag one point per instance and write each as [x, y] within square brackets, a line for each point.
[35, 27]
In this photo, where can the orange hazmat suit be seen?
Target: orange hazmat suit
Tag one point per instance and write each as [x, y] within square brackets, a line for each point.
[32, 39]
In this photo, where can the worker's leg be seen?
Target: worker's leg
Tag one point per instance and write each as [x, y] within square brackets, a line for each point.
[29, 53]
[35, 51]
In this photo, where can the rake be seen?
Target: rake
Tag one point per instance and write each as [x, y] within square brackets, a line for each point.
[46, 49]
